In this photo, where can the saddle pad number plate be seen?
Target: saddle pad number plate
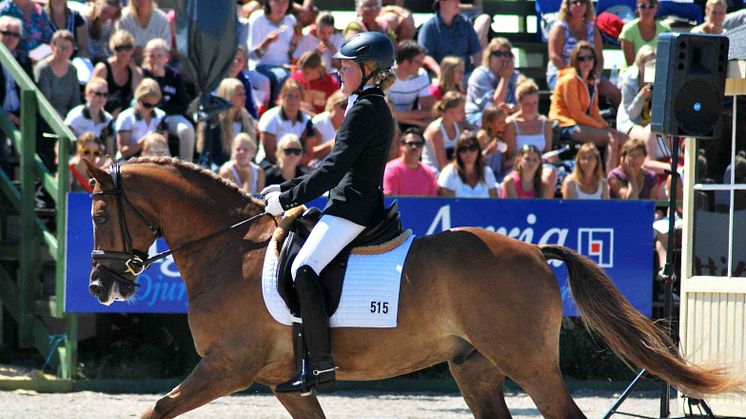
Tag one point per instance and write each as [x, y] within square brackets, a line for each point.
[370, 294]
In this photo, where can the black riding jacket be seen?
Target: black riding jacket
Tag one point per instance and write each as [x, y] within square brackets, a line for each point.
[353, 172]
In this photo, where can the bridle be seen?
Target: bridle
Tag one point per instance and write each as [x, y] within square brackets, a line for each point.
[130, 261]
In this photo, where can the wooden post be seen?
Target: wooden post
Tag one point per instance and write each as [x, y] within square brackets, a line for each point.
[29, 246]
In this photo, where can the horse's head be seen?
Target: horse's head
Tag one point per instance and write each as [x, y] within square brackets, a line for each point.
[121, 236]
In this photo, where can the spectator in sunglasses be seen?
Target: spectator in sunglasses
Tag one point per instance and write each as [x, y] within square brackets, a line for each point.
[35, 22]
[467, 176]
[575, 22]
[11, 31]
[55, 75]
[405, 175]
[91, 116]
[575, 106]
[120, 72]
[135, 123]
[492, 83]
[89, 148]
[288, 157]
[644, 30]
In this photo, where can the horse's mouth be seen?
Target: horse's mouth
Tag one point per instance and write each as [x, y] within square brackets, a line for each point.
[113, 295]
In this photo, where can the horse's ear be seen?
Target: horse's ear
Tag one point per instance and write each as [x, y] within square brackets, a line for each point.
[96, 173]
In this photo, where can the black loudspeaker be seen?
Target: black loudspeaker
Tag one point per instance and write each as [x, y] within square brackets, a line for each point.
[689, 85]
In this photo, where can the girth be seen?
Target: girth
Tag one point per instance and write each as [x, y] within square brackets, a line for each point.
[332, 277]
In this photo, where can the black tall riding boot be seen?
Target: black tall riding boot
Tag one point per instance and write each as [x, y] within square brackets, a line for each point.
[317, 373]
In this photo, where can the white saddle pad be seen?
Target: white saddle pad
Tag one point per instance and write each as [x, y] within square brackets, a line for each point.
[370, 293]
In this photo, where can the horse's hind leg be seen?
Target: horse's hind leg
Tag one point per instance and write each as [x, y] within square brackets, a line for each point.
[301, 407]
[213, 377]
[481, 385]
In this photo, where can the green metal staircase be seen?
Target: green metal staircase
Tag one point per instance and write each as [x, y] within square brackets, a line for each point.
[23, 246]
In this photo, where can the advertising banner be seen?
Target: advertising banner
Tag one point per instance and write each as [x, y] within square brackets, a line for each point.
[617, 235]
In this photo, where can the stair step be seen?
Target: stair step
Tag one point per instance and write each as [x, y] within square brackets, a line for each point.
[9, 251]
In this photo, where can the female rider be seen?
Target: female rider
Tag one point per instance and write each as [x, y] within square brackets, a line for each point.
[353, 175]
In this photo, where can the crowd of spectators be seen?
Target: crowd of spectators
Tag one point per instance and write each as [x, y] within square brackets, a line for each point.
[468, 120]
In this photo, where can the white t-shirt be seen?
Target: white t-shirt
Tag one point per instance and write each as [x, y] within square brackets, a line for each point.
[158, 27]
[403, 93]
[79, 120]
[274, 122]
[309, 42]
[323, 124]
[131, 120]
[277, 52]
[449, 179]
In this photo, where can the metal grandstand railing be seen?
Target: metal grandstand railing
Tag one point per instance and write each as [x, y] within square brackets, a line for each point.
[21, 257]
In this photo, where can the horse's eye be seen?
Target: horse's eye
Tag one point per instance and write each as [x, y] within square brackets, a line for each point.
[99, 219]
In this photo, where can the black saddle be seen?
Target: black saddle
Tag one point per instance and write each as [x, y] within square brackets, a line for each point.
[332, 276]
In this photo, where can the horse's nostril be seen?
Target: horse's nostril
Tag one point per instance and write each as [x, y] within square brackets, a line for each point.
[96, 288]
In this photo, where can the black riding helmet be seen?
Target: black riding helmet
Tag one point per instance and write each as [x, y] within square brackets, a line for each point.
[368, 46]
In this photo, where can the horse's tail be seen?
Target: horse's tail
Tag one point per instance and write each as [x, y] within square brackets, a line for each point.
[632, 335]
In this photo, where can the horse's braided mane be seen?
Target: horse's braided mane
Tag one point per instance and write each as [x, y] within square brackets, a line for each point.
[198, 170]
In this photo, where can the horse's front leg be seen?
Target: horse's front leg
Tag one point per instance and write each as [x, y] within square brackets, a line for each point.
[301, 407]
[213, 377]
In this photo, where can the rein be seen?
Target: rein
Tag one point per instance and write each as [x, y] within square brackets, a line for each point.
[135, 261]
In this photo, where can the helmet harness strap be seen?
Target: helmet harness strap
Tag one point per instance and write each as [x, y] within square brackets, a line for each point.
[366, 78]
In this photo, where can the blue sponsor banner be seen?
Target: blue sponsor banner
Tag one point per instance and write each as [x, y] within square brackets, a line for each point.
[617, 235]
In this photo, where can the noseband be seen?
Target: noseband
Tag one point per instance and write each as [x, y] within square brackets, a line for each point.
[134, 262]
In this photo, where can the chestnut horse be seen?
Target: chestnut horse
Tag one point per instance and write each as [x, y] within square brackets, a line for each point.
[487, 304]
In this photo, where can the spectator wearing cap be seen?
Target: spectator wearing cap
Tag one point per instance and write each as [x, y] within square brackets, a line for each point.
[406, 176]
[35, 22]
[55, 75]
[449, 32]
[410, 94]
[133, 124]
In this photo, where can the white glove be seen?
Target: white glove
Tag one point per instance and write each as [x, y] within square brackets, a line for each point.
[269, 189]
[272, 203]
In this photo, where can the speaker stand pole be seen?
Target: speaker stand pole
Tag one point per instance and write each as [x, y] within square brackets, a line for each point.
[668, 277]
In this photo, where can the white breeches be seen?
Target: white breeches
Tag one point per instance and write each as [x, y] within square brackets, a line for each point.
[330, 235]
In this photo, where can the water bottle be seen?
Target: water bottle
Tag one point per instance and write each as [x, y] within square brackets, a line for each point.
[614, 74]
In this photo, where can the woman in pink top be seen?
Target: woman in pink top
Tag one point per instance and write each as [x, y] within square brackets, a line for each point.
[525, 181]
